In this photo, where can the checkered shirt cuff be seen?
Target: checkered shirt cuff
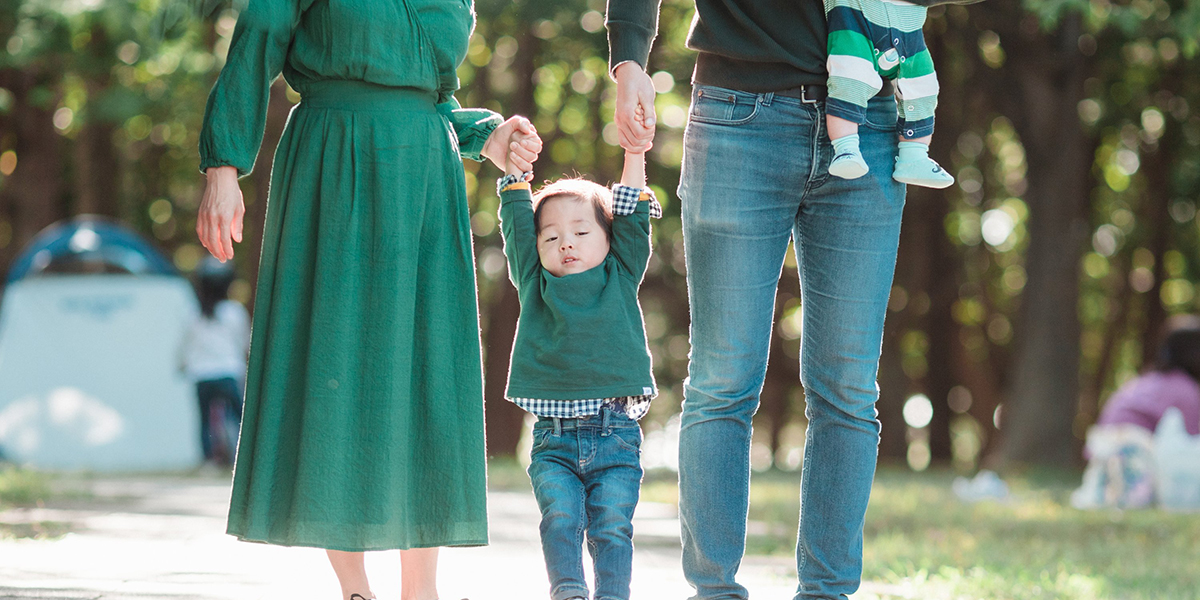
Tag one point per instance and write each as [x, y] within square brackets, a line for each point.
[625, 200]
[508, 180]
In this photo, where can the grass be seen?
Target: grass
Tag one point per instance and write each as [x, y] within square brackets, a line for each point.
[22, 487]
[508, 475]
[919, 537]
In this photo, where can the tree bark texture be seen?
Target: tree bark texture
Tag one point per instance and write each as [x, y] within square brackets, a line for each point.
[504, 420]
[34, 195]
[1045, 72]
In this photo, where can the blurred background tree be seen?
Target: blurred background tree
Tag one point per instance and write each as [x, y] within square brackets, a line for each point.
[1023, 295]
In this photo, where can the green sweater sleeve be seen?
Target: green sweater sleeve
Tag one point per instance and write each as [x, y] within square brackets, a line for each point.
[632, 25]
[520, 239]
[471, 125]
[631, 240]
[236, 113]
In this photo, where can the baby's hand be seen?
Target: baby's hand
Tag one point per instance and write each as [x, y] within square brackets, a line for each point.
[524, 146]
[639, 115]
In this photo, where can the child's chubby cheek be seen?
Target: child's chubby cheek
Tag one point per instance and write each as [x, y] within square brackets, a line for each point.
[570, 258]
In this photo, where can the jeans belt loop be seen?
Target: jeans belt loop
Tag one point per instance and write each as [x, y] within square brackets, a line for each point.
[604, 426]
[767, 98]
[557, 426]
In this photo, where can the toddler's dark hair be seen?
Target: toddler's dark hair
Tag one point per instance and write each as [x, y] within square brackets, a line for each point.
[599, 196]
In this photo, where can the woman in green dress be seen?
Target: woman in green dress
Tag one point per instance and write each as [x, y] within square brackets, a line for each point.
[363, 419]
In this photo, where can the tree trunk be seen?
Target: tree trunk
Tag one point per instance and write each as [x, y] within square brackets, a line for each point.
[1047, 74]
[504, 421]
[895, 385]
[96, 171]
[893, 389]
[34, 195]
[96, 165]
[783, 374]
[1157, 163]
[940, 328]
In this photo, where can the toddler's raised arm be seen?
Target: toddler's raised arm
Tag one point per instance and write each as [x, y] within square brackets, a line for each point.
[634, 173]
[633, 205]
[516, 227]
[516, 209]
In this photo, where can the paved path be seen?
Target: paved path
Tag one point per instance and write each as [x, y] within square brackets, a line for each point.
[143, 538]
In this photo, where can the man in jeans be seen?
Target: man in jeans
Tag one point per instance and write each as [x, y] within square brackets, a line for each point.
[755, 175]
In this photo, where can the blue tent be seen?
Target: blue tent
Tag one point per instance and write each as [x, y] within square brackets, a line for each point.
[92, 243]
[89, 368]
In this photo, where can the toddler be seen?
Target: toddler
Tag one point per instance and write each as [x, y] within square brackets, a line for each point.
[577, 252]
[868, 41]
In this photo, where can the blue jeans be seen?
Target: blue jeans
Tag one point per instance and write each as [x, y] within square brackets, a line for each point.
[755, 175]
[220, 415]
[587, 475]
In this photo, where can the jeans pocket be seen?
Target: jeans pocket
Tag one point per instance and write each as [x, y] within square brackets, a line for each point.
[629, 438]
[721, 106]
[539, 439]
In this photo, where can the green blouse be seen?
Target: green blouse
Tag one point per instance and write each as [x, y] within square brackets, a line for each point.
[316, 40]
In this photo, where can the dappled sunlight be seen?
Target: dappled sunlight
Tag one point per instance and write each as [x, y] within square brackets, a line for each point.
[95, 422]
[64, 413]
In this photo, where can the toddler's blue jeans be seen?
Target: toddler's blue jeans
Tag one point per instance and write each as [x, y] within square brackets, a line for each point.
[587, 475]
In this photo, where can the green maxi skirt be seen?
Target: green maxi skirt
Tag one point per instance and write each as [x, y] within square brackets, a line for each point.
[363, 423]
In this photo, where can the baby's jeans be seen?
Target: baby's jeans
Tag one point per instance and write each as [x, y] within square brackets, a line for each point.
[587, 475]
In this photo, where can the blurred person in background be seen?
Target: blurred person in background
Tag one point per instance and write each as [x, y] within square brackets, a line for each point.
[214, 356]
[1125, 464]
[1174, 380]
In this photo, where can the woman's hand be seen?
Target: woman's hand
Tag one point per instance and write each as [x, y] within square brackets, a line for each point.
[515, 140]
[219, 222]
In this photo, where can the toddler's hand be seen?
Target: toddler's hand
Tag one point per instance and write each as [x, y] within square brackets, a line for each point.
[524, 146]
[639, 116]
[499, 144]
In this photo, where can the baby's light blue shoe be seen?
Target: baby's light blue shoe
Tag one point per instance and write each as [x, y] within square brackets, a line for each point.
[847, 160]
[848, 165]
[924, 172]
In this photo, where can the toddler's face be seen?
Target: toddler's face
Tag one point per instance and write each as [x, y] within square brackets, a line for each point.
[571, 241]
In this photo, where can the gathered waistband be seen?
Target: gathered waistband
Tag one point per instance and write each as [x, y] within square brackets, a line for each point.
[348, 94]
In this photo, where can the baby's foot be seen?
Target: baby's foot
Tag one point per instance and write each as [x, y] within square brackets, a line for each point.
[847, 160]
[914, 167]
[924, 172]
